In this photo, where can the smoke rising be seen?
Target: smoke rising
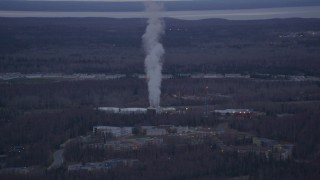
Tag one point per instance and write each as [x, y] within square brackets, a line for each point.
[154, 51]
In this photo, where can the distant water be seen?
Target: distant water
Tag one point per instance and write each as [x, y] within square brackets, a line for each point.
[243, 14]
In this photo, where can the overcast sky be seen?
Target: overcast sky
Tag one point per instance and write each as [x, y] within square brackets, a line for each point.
[105, 0]
[136, 5]
[239, 1]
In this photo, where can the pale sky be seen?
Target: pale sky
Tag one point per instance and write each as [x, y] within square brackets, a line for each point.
[110, 0]
[217, 1]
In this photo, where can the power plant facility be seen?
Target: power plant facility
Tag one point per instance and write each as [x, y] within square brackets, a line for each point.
[149, 111]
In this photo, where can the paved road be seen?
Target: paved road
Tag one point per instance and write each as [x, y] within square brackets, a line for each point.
[57, 159]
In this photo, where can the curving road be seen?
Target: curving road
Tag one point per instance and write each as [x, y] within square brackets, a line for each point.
[57, 159]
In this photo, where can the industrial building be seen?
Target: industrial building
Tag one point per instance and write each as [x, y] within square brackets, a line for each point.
[105, 165]
[231, 112]
[279, 151]
[109, 109]
[237, 113]
[154, 131]
[150, 111]
[114, 131]
[127, 144]
[263, 142]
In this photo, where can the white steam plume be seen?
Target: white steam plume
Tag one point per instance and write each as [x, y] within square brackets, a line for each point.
[154, 51]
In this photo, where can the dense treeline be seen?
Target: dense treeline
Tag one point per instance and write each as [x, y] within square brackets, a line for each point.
[41, 115]
[198, 163]
[272, 97]
[46, 104]
[43, 131]
[99, 45]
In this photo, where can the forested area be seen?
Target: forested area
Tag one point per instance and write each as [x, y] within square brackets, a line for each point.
[100, 45]
[38, 115]
[41, 115]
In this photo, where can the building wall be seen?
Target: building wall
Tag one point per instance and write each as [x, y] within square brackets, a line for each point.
[114, 131]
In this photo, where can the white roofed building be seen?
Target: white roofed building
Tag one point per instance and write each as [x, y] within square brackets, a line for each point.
[109, 109]
[133, 110]
[235, 112]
